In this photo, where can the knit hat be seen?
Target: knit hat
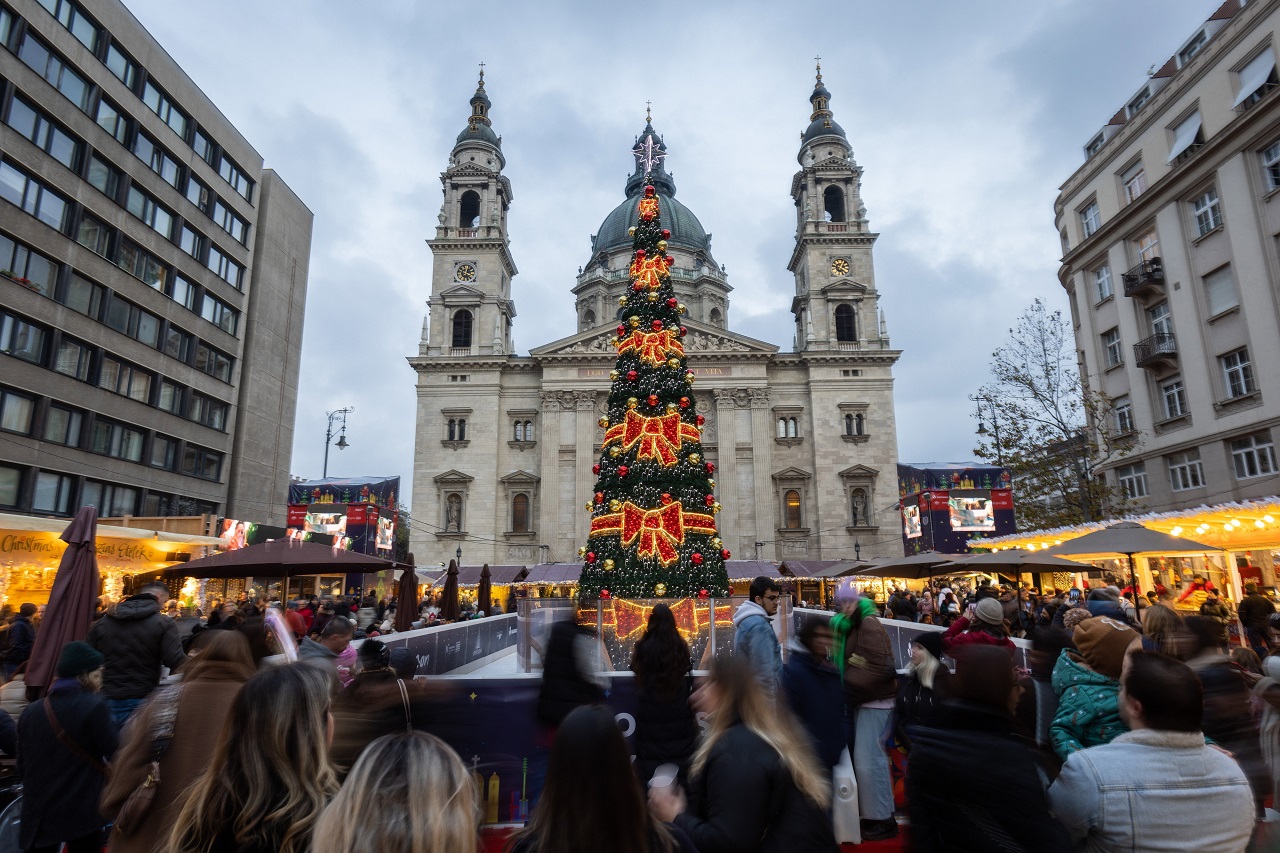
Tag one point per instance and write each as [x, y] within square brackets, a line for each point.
[1102, 642]
[404, 662]
[931, 642]
[989, 611]
[77, 658]
[1074, 616]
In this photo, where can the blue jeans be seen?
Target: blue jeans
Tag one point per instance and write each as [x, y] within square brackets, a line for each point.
[870, 764]
[122, 709]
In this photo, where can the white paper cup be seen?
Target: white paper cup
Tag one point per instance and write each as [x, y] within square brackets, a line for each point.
[664, 776]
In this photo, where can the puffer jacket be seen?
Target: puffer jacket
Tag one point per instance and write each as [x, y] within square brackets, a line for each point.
[136, 639]
[1088, 707]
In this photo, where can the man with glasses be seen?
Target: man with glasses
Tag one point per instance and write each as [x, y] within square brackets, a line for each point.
[753, 634]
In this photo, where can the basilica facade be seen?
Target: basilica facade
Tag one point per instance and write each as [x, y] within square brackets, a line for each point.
[804, 442]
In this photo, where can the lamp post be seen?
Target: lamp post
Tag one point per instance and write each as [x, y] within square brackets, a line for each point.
[459, 555]
[342, 435]
[995, 425]
[857, 550]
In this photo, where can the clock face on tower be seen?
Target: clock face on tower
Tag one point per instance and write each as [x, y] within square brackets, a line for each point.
[840, 266]
[465, 272]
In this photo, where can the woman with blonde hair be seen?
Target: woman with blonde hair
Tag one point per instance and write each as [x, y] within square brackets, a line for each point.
[407, 792]
[755, 784]
[270, 774]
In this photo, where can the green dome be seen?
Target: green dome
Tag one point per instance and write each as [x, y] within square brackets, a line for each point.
[479, 133]
[686, 231]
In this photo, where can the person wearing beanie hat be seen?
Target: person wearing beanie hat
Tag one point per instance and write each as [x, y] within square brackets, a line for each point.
[1087, 683]
[62, 784]
[372, 705]
[983, 623]
[926, 685]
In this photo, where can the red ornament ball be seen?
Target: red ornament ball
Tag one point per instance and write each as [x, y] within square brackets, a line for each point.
[631, 375]
[684, 402]
[666, 234]
[711, 468]
[670, 261]
[725, 554]
[666, 498]
[653, 399]
[710, 499]
[695, 558]
[703, 594]
[639, 254]
[595, 469]
[657, 325]
[591, 556]
[623, 470]
[637, 286]
[672, 302]
[604, 593]
[648, 191]
[622, 330]
[701, 420]
[683, 331]
[599, 497]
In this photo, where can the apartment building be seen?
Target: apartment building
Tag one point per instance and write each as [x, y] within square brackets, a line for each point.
[1170, 231]
[153, 279]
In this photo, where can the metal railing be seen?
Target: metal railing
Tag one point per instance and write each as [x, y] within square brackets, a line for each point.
[1158, 347]
[1146, 274]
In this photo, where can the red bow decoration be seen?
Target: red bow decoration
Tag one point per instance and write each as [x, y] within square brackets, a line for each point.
[649, 272]
[657, 531]
[652, 347]
[648, 208]
[659, 437]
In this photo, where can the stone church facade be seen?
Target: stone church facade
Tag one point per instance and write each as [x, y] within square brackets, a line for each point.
[804, 442]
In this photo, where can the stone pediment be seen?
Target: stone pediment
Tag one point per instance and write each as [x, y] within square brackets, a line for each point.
[700, 339]
[845, 287]
[519, 477]
[462, 293]
[453, 476]
[793, 474]
[858, 471]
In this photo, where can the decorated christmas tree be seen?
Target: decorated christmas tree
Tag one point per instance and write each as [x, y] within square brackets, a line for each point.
[653, 531]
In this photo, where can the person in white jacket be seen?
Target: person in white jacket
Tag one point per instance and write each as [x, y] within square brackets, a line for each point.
[1157, 787]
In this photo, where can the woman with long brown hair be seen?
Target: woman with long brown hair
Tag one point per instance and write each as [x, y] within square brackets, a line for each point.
[666, 729]
[755, 782]
[270, 774]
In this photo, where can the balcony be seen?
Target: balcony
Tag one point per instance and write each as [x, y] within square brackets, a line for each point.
[1146, 277]
[1156, 351]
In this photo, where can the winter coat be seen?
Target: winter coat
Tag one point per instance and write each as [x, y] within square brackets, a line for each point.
[204, 704]
[1122, 794]
[1255, 611]
[865, 644]
[815, 694]
[755, 640]
[13, 695]
[1228, 721]
[60, 788]
[136, 639]
[1088, 706]
[21, 638]
[368, 708]
[958, 635]
[666, 731]
[918, 705]
[565, 682]
[745, 801]
[975, 785]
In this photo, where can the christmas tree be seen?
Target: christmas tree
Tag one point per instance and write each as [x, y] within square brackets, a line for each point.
[653, 530]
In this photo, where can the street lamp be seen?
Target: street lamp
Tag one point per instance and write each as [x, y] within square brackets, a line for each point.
[342, 436]
[995, 425]
[857, 550]
[459, 556]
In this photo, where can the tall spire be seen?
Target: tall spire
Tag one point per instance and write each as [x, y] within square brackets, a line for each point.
[650, 152]
[821, 121]
[479, 127]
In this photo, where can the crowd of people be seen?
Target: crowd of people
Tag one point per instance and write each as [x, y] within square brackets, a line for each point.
[249, 749]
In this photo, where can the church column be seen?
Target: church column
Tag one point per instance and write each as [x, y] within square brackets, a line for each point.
[726, 475]
[552, 513]
[584, 403]
[762, 449]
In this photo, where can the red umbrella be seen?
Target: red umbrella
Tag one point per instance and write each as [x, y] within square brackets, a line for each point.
[449, 595]
[72, 600]
[407, 598]
[483, 604]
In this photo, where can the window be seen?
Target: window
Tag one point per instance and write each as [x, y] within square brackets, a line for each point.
[1159, 319]
[116, 440]
[178, 343]
[169, 396]
[1132, 480]
[791, 504]
[1185, 471]
[110, 499]
[213, 362]
[198, 194]
[457, 429]
[30, 195]
[229, 222]
[208, 411]
[51, 67]
[231, 173]
[220, 314]
[1192, 48]
[27, 267]
[52, 493]
[164, 453]
[1090, 219]
[1257, 77]
[520, 514]
[1220, 291]
[1207, 212]
[846, 323]
[1253, 456]
[43, 133]
[1147, 245]
[1102, 283]
[1137, 102]
[191, 241]
[1124, 415]
[1271, 165]
[146, 150]
[787, 428]
[184, 293]
[128, 319]
[461, 329]
[72, 359]
[73, 18]
[1114, 350]
[202, 463]
[10, 478]
[141, 265]
[833, 204]
[84, 296]
[1093, 146]
[6, 25]
[1187, 137]
[121, 65]
[21, 339]
[202, 146]
[523, 431]
[94, 235]
[147, 209]
[160, 104]
[1135, 183]
[469, 209]
[124, 379]
[16, 411]
[1173, 398]
[62, 426]
[111, 119]
[225, 268]
[1238, 373]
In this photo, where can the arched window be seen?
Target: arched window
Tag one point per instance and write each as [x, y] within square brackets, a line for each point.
[469, 210]
[782, 427]
[846, 323]
[588, 319]
[848, 425]
[792, 501]
[791, 428]
[528, 430]
[462, 429]
[833, 203]
[519, 431]
[462, 329]
[520, 514]
[715, 317]
[453, 429]
[860, 424]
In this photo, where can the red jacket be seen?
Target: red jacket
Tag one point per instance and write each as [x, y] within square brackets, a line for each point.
[958, 635]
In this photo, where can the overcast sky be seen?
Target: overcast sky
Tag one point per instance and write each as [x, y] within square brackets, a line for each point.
[965, 116]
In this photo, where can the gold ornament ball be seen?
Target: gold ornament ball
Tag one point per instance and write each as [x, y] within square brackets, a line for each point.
[615, 505]
[681, 308]
[662, 245]
[631, 232]
[613, 374]
[614, 451]
[622, 300]
[632, 402]
[653, 297]
[689, 377]
[604, 422]
[590, 507]
[711, 484]
[717, 542]
[660, 589]
[715, 507]
[673, 363]
[608, 565]
[633, 321]
[695, 458]
[671, 407]
[582, 552]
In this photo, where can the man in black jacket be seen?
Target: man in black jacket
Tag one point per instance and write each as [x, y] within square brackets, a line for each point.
[22, 637]
[1255, 614]
[136, 639]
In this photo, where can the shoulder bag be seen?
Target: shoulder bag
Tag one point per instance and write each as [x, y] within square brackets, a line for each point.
[165, 714]
[404, 700]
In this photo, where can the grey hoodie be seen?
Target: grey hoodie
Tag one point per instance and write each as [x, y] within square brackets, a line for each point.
[754, 639]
